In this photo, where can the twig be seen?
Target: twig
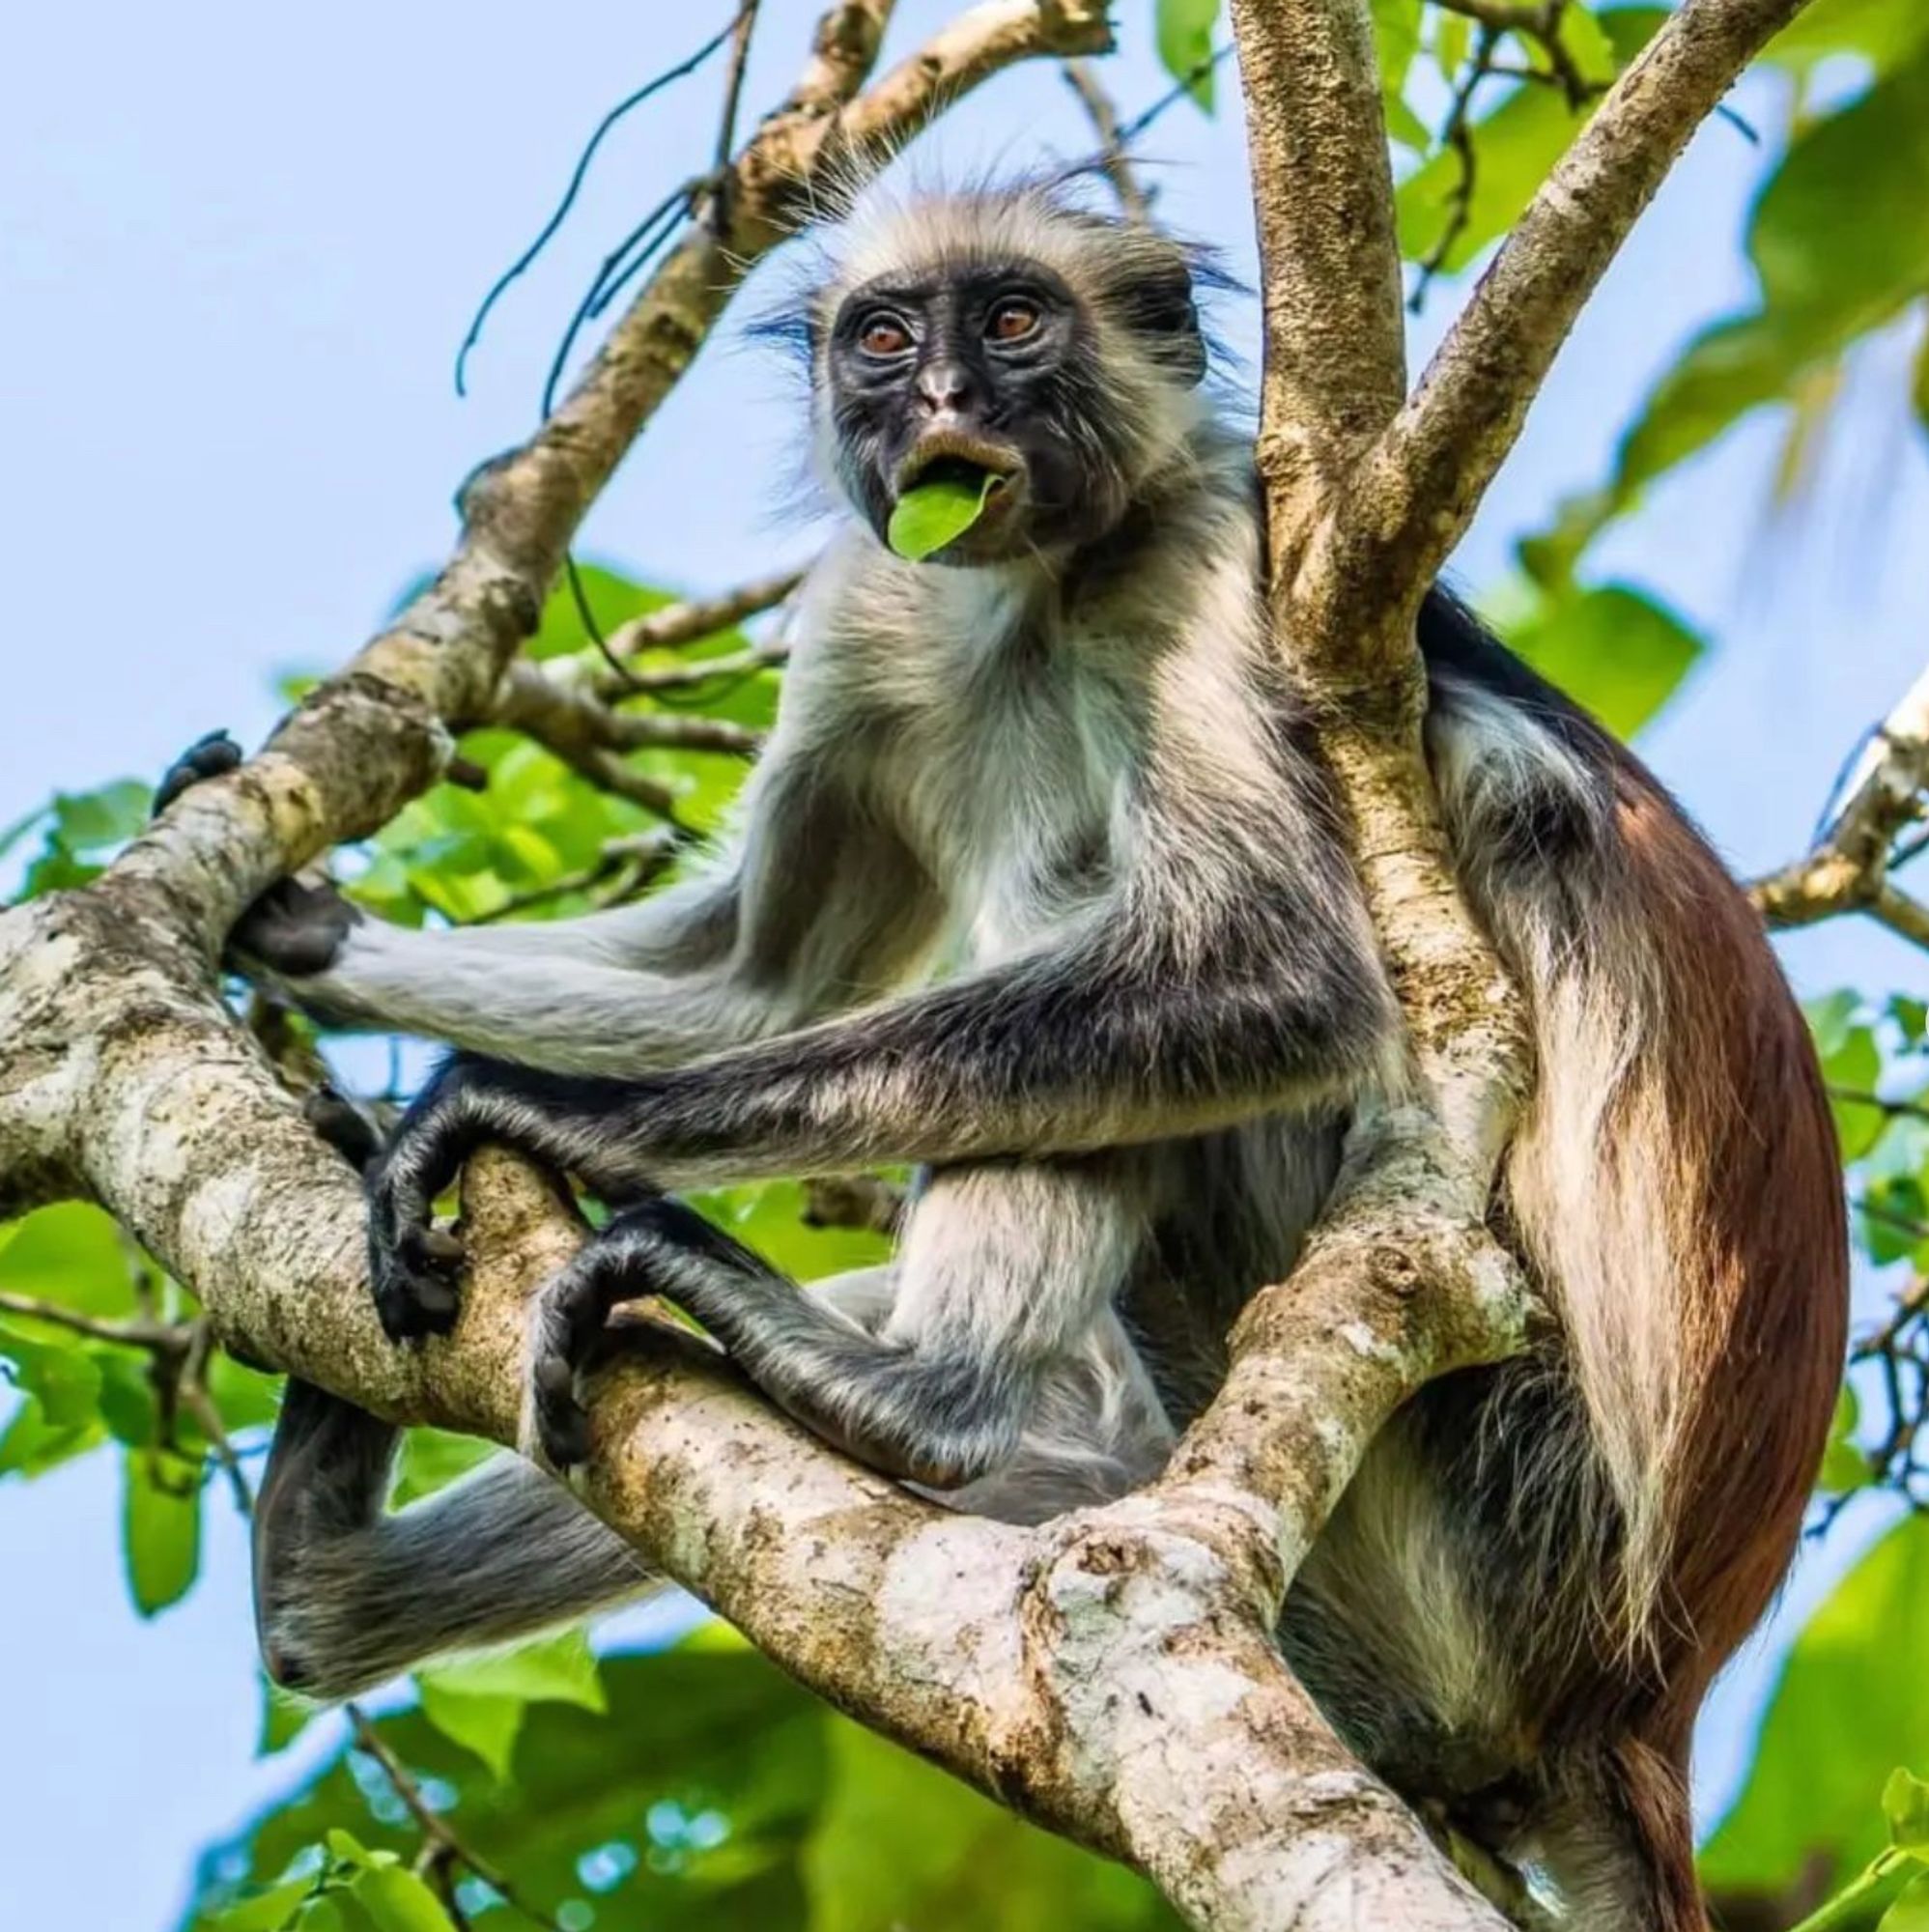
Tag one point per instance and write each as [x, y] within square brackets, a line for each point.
[627, 865]
[522, 261]
[160, 1338]
[617, 268]
[727, 131]
[742, 665]
[1418, 489]
[573, 724]
[679, 624]
[435, 1829]
[1162, 104]
[193, 1392]
[1896, 1110]
[1540, 23]
[1457, 134]
[1082, 80]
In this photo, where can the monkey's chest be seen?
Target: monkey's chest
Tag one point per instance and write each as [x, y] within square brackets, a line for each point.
[1017, 828]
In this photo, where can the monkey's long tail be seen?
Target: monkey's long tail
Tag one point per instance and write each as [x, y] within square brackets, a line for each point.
[347, 1595]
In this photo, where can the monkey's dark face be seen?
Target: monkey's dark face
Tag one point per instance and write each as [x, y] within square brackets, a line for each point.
[977, 373]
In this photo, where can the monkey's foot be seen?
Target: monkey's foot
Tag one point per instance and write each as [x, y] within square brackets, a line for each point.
[413, 1264]
[645, 1250]
[413, 1280]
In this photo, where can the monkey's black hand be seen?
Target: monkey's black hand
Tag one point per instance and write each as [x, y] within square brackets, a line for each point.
[294, 930]
[412, 1265]
[208, 757]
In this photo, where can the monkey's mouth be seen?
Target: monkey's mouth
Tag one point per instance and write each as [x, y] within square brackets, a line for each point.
[949, 456]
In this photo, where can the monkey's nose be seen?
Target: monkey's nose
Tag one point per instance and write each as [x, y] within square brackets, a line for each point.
[945, 387]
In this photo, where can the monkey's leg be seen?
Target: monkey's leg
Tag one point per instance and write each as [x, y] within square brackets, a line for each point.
[1007, 1269]
[347, 1595]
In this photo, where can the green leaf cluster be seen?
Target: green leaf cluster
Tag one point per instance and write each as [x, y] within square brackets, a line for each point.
[713, 1792]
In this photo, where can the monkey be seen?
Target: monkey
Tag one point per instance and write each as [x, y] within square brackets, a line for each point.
[1042, 888]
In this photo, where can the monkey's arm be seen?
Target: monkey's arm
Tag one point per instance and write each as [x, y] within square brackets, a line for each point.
[1154, 1020]
[818, 906]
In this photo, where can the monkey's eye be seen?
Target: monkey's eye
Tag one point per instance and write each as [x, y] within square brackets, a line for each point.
[1012, 320]
[883, 335]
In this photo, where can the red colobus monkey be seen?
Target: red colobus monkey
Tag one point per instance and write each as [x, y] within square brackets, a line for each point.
[1040, 886]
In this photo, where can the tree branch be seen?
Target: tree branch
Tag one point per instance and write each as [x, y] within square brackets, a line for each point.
[1082, 79]
[1429, 473]
[1847, 869]
[1336, 358]
[678, 624]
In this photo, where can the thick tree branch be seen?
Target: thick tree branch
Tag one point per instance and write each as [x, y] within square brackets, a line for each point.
[1335, 358]
[1429, 473]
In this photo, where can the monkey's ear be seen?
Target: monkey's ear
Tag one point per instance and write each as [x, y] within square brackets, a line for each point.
[1160, 309]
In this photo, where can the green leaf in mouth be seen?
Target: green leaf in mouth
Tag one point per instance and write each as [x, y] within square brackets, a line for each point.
[936, 513]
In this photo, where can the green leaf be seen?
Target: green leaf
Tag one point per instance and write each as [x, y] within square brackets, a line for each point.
[128, 1402]
[937, 513]
[1869, 160]
[487, 1725]
[480, 1702]
[32, 1445]
[956, 1859]
[434, 1457]
[398, 1901]
[1844, 1713]
[1918, 382]
[1855, 1067]
[1911, 1911]
[1396, 27]
[1630, 29]
[613, 598]
[1831, 1019]
[266, 1911]
[160, 1529]
[79, 832]
[1905, 1803]
[1184, 32]
[1844, 1466]
[70, 1253]
[1453, 37]
[559, 1669]
[56, 1370]
[284, 1716]
[1614, 649]
[714, 1794]
[1883, 32]
[1589, 45]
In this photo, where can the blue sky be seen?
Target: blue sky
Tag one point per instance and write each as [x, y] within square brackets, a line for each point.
[237, 247]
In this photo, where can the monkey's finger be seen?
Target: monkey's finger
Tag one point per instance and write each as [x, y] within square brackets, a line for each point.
[208, 757]
[562, 1423]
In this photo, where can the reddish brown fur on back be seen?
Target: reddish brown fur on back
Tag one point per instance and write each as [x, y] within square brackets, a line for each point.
[1763, 1307]
[1765, 1321]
